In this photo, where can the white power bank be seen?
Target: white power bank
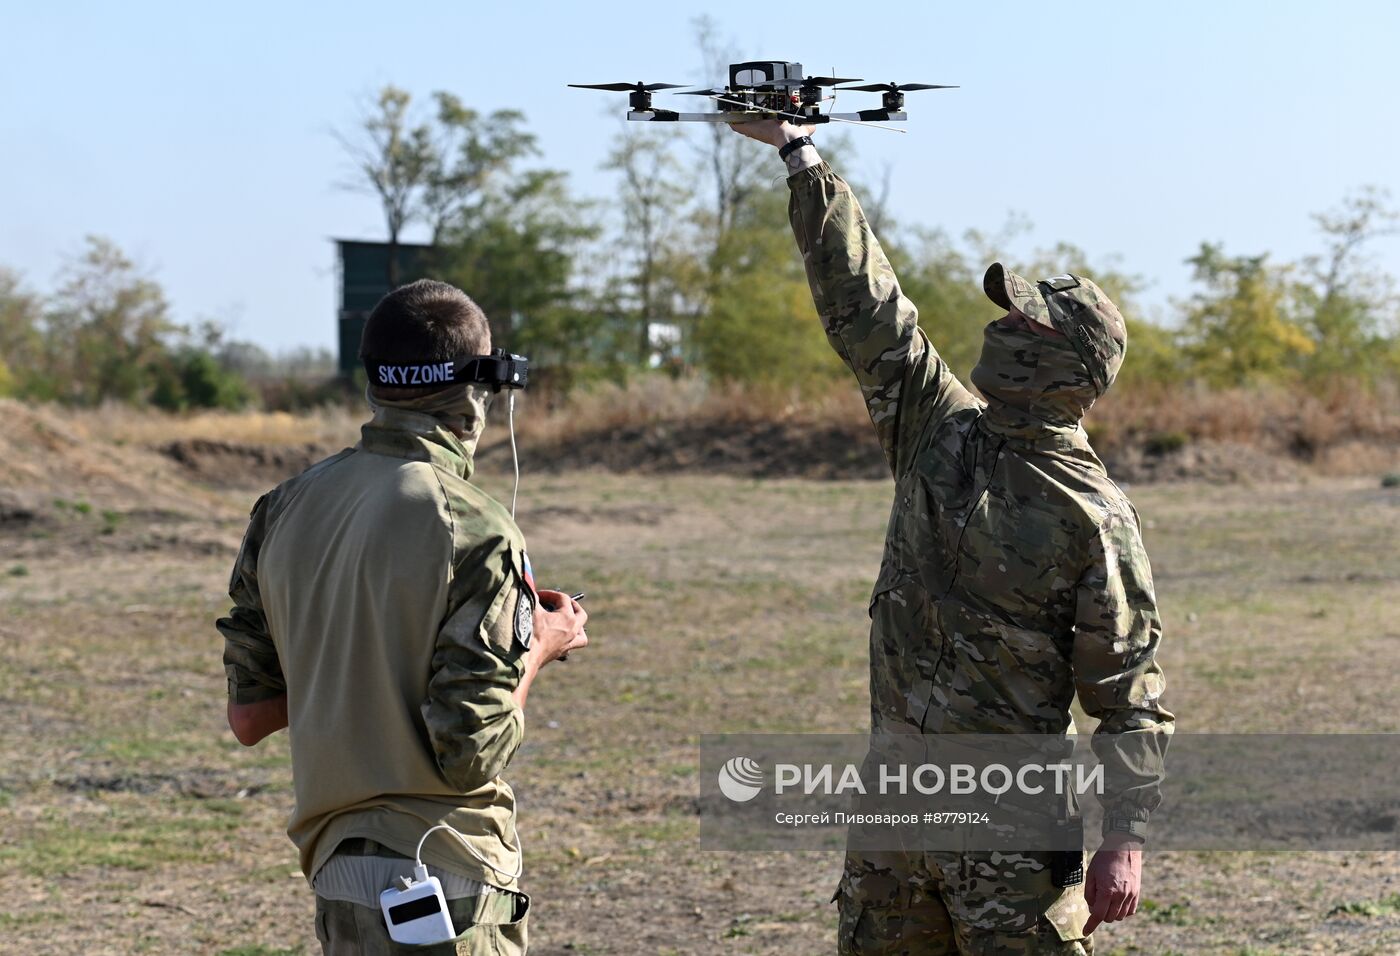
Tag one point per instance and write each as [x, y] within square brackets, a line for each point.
[417, 914]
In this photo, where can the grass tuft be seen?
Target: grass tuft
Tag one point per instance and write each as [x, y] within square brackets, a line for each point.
[1385, 906]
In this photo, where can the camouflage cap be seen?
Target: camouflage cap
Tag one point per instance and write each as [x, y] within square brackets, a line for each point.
[1073, 306]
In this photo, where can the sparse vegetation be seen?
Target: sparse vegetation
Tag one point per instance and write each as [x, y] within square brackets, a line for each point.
[126, 793]
[1385, 906]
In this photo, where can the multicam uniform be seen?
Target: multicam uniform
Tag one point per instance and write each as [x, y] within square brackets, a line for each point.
[1013, 575]
[390, 599]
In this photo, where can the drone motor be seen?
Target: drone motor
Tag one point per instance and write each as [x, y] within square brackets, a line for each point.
[640, 98]
[767, 89]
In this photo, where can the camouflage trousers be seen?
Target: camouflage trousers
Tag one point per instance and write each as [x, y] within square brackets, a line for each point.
[491, 925]
[970, 904]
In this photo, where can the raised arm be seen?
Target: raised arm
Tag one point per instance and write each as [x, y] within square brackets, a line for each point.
[867, 319]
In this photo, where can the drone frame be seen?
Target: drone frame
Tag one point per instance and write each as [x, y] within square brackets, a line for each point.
[767, 90]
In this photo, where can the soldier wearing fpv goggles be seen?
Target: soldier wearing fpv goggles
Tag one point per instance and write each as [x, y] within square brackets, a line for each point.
[385, 609]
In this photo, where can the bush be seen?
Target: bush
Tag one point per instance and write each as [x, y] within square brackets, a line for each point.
[194, 379]
[1164, 443]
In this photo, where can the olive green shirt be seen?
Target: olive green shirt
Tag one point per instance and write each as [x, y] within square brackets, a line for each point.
[388, 597]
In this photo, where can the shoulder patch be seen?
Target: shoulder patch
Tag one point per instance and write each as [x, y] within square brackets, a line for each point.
[525, 616]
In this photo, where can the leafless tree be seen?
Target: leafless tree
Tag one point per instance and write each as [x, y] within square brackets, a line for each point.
[651, 203]
[733, 163]
[393, 161]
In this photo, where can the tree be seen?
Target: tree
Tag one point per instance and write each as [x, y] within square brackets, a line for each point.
[735, 167]
[1348, 303]
[944, 281]
[21, 341]
[1242, 328]
[515, 256]
[761, 327]
[192, 377]
[105, 328]
[469, 152]
[651, 208]
[394, 161]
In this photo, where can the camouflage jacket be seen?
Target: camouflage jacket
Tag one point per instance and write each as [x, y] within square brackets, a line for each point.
[390, 599]
[1014, 572]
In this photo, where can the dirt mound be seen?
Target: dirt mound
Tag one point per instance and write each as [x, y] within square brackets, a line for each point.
[47, 457]
[225, 464]
[748, 449]
[836, 451]
[1200, 461]
[19, 509]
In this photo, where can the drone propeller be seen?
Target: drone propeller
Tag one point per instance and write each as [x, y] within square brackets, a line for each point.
[701, 93]
[897, 88]
[892, 94]
[638, 87]
[816, 81]
[640, 99]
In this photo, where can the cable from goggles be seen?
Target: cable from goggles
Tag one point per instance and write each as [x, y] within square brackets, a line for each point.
[500, 369]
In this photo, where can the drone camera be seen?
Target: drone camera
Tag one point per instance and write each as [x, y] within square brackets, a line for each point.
[767, 84]
[763, 74]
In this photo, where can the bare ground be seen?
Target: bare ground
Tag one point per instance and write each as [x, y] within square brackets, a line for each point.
[130, 821]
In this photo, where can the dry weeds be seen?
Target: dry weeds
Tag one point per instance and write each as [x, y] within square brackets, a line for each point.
[131, 822]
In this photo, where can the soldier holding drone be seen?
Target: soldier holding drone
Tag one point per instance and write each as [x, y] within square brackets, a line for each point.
[1014, 576]
[1014, 573]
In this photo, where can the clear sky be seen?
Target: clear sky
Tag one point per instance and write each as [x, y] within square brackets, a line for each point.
[198, 136]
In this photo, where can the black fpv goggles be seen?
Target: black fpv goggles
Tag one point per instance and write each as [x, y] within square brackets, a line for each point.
[500, 369]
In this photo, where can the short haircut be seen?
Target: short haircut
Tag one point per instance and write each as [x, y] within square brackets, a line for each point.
[422, 323]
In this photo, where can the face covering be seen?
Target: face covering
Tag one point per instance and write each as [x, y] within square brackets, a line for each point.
[461, 409]
[1044, 378]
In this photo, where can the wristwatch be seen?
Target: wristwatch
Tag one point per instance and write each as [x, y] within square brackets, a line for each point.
[1126, 825]
[792, 146]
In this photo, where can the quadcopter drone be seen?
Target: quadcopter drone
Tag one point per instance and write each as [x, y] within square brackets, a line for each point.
[765, 89]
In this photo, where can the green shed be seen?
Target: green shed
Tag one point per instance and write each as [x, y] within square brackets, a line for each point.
[364, 280]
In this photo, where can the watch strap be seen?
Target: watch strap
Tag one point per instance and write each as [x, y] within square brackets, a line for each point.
[788, 148]
[1126, 825]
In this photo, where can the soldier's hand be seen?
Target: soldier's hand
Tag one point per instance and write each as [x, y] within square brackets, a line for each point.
[774, 132]
[1113, 884]
[559, 631]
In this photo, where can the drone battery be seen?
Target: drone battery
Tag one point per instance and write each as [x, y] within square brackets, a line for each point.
[418, 914]
[758, 74]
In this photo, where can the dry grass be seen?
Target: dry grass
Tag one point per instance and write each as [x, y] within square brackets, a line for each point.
[657, 399]
[1333, 429]
[1309, 424]
[717, 606]
[1336, 428]
[122, 424]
